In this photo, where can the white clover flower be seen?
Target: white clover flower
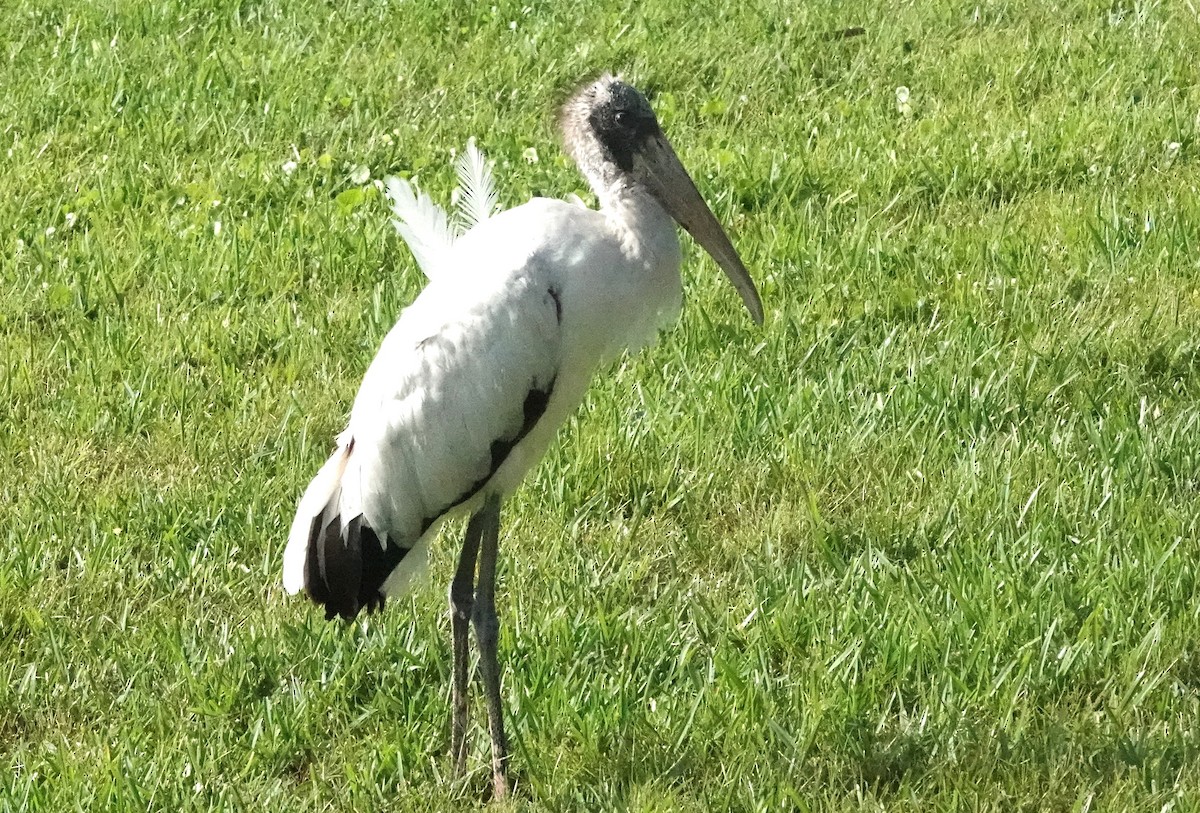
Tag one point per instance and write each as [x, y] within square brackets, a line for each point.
[359, 174]
[69, 220]
[216, 228]
[530, 155]
[289, 167]
[902, 101]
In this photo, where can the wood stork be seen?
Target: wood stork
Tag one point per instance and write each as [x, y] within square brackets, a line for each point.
[482, 368]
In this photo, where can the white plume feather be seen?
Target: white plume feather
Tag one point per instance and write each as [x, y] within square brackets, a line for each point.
[421, 223]
[477, 199]
[424, 225]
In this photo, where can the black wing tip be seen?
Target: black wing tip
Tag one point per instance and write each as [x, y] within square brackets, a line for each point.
[344, 571]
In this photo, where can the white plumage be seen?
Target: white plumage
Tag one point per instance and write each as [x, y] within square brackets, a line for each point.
[477, 198]
[481, 369]
[424, 226]
[453, 375]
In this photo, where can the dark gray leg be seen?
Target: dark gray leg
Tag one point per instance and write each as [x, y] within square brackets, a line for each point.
[487, 631]
[462, 601]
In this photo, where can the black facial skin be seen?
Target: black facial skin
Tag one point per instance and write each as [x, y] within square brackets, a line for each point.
[623, 124]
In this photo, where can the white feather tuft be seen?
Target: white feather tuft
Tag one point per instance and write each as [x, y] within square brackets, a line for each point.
[422, 224]
[478, 199]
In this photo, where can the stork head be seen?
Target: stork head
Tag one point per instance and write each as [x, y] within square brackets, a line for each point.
[613, 135]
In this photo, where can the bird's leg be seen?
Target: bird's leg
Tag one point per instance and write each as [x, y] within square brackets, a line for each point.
[487, 631]
[462, 600]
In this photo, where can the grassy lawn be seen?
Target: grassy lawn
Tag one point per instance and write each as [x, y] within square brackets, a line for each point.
[926, 541]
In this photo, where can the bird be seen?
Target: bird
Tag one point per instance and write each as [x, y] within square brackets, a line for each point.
[470, 386]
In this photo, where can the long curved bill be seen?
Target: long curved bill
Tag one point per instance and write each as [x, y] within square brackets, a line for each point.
[671, 185]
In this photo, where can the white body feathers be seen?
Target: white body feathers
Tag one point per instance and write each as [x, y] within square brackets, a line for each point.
[528, 301]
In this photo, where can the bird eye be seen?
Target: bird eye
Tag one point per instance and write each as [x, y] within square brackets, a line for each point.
[624, 118]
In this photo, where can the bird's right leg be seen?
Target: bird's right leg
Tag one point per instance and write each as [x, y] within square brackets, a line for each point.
[462, 603]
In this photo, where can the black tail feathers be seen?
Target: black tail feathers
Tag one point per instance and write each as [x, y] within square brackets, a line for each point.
[345, 572]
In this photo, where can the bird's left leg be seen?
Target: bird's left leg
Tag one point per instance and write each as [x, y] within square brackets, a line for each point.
[462, 601]
[487, 631]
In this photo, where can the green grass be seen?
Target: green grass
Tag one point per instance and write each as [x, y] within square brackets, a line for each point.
[927, 541]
